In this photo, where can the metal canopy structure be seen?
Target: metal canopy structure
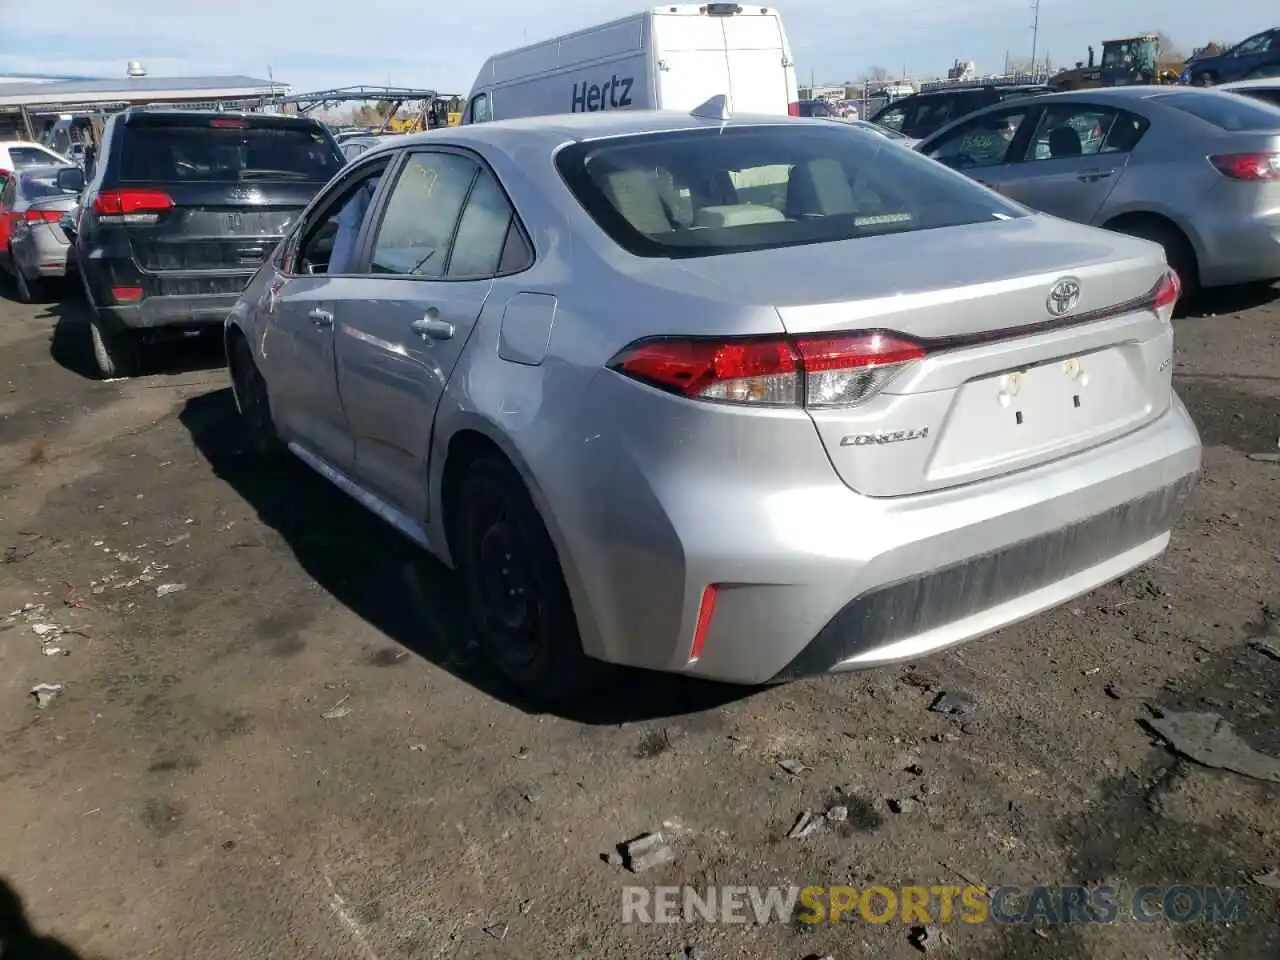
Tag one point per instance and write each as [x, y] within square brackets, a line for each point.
[306, 102]
[428, 115]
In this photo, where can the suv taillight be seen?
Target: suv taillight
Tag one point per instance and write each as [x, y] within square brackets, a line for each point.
[1256, 167]
[793, 109]
[117, 203]
[835, 370]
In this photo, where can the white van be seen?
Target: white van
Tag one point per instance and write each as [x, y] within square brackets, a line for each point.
[668, 58]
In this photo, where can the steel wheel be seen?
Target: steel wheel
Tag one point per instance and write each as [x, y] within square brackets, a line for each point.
[515, 588]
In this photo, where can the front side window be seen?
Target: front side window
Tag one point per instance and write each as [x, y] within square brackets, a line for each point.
[984, 142]
[480, 112]
[417, 229]
[329, 242]
[1257, 44]
[22, 157]
[708, 192]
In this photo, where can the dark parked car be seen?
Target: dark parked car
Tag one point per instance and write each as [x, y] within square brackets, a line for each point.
[181, 209]
[1256, 57]
[920, 114]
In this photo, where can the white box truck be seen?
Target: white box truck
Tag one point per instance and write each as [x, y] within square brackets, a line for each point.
[667, 58]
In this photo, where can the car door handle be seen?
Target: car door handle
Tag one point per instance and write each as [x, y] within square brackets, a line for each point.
[1092, 176]
[322, 319]
[429, 327]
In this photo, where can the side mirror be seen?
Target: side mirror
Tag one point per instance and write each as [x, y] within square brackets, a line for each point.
[71, 180]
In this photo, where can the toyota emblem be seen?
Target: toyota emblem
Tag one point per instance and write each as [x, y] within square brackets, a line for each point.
[1063, 297]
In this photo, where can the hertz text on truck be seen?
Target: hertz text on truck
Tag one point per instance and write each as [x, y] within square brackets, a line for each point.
[610, 95]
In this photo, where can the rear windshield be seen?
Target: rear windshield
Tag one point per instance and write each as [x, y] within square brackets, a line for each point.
[1223, 110]
[1271, 95]
[202, 152]
[695, 193]
[41, 184]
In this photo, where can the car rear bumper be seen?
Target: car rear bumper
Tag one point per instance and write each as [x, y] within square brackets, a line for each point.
[1239, 247]
[812, 579]
[153, 312]
[42, 255]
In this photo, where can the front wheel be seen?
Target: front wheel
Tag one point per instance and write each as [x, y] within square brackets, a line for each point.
[515, 588]
[255, 404]
[1203, 79]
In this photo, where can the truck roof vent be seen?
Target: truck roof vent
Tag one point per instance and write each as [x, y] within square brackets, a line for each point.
[717, 108]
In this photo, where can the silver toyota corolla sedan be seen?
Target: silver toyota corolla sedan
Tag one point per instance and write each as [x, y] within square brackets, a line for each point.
[742, 398]
[1195, 170]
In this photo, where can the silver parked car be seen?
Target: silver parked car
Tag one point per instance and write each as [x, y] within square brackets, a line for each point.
[34, 246]
[1266, 89]
[1195, 170]
[742, 398]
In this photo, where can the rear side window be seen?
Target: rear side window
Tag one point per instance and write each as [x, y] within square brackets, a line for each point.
[1224, 111]
[707, 192]
[42, 184]
[29, 157]
[225, 151]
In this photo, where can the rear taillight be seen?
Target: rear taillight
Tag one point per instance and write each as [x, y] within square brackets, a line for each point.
[46, 216]
[793, 109]
[1167, 291]
[812, 371]
[1256, 167]
[126, 294]
[125, 203]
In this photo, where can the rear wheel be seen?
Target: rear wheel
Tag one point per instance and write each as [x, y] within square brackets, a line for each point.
[29, 291]
[515, 588]
[1204, 79]
[117, 351]
[255, 404]
[1177, 250]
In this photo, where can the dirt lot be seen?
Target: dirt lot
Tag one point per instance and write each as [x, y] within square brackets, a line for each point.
[296, 754]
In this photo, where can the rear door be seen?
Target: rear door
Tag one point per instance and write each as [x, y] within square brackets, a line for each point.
[985, 146]
[692, 66]
[204, 199]
[758, 63]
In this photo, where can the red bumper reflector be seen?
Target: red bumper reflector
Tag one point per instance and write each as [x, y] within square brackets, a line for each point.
[706, 610]
[126, 294]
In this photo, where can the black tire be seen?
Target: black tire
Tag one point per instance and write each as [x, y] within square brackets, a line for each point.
[1204, 80]
[117, 351]
[1177, 250]
[29, 291]
[515, 588]
[255, 403]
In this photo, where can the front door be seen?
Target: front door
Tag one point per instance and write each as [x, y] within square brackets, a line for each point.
[402, 325]
[299, 345]
[1073, 160]
[985, 147]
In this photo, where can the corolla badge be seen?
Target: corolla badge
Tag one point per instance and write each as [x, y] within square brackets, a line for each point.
[880, 438]
[1063, 297]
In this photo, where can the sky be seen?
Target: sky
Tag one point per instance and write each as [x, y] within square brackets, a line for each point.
[441, 45]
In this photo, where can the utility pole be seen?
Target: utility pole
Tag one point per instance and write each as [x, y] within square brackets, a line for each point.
[1035, 31]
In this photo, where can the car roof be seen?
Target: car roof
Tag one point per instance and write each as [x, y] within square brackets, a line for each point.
[212, 114]
[557, 129]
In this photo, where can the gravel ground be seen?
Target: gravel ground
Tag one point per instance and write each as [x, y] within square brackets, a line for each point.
[267, 743]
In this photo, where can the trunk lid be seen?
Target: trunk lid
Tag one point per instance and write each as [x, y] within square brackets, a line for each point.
[1007, 384]
[216, 226]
